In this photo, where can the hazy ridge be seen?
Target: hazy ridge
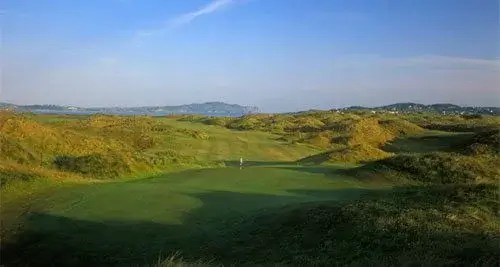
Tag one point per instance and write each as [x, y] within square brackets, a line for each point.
[235, 110]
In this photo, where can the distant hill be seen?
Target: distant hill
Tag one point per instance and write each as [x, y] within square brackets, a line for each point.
[209, 108]
[234, 110]
[436, 108]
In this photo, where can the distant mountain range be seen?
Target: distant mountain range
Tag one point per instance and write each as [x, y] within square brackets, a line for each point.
[436, 108]
[209, 108]
[233, 110]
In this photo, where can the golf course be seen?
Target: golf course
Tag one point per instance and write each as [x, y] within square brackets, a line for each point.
[186, 200]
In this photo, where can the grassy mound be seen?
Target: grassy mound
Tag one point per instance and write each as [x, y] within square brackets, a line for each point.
[484, 143]
[351, 154]
[12, 172]
[441, 168]
[321, 140]
[353, 137]
[440, 225]
[366, 131]
[357, 141]
[100, 146]
[218, 121]
[358, 154]
[14, 150]
[246, 123]
[45, 141]
[454, 123]
[399, 127]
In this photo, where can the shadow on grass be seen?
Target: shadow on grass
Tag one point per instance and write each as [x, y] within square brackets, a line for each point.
[52, 240]
[428, 143]
[289, 231]
[327, 170]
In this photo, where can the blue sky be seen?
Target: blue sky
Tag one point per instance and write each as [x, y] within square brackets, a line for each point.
[280, 55]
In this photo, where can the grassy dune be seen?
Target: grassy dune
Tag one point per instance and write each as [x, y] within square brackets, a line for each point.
[294, 202]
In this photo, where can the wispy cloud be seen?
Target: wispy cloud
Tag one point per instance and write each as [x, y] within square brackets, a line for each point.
[207, 9]
[183, 19]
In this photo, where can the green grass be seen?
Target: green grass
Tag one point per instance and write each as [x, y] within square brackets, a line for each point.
[410, 226]
[224, 144]
[202, 207]
[132, 222]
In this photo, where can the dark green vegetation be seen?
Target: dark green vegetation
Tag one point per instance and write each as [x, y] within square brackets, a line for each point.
[317, 188]
[437, 225]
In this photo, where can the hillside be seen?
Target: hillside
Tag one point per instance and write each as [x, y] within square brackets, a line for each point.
[318, 188]
[446, 109]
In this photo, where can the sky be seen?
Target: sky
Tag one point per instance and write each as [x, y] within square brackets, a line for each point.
[278, 55]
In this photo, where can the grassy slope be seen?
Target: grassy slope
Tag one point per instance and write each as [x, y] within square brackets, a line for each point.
[224, 144]
[191, 211]
[168, 198]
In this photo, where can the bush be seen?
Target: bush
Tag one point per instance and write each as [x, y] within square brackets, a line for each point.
[442, 168]
[8, 176]
[94, 165]
[363, 131]
[144, 141]
[167, 157]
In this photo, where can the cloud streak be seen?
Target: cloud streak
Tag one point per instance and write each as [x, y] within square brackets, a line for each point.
[183, 19]
[211, 7]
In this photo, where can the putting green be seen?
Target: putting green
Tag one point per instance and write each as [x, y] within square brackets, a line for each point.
[192, 211]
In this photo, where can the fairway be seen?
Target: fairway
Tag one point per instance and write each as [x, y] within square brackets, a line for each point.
[189, 212]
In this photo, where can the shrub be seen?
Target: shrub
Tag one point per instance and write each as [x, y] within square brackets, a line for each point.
[144, 141]
[8, 176]
[11, 149]
[94, 165]
[166, 157]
